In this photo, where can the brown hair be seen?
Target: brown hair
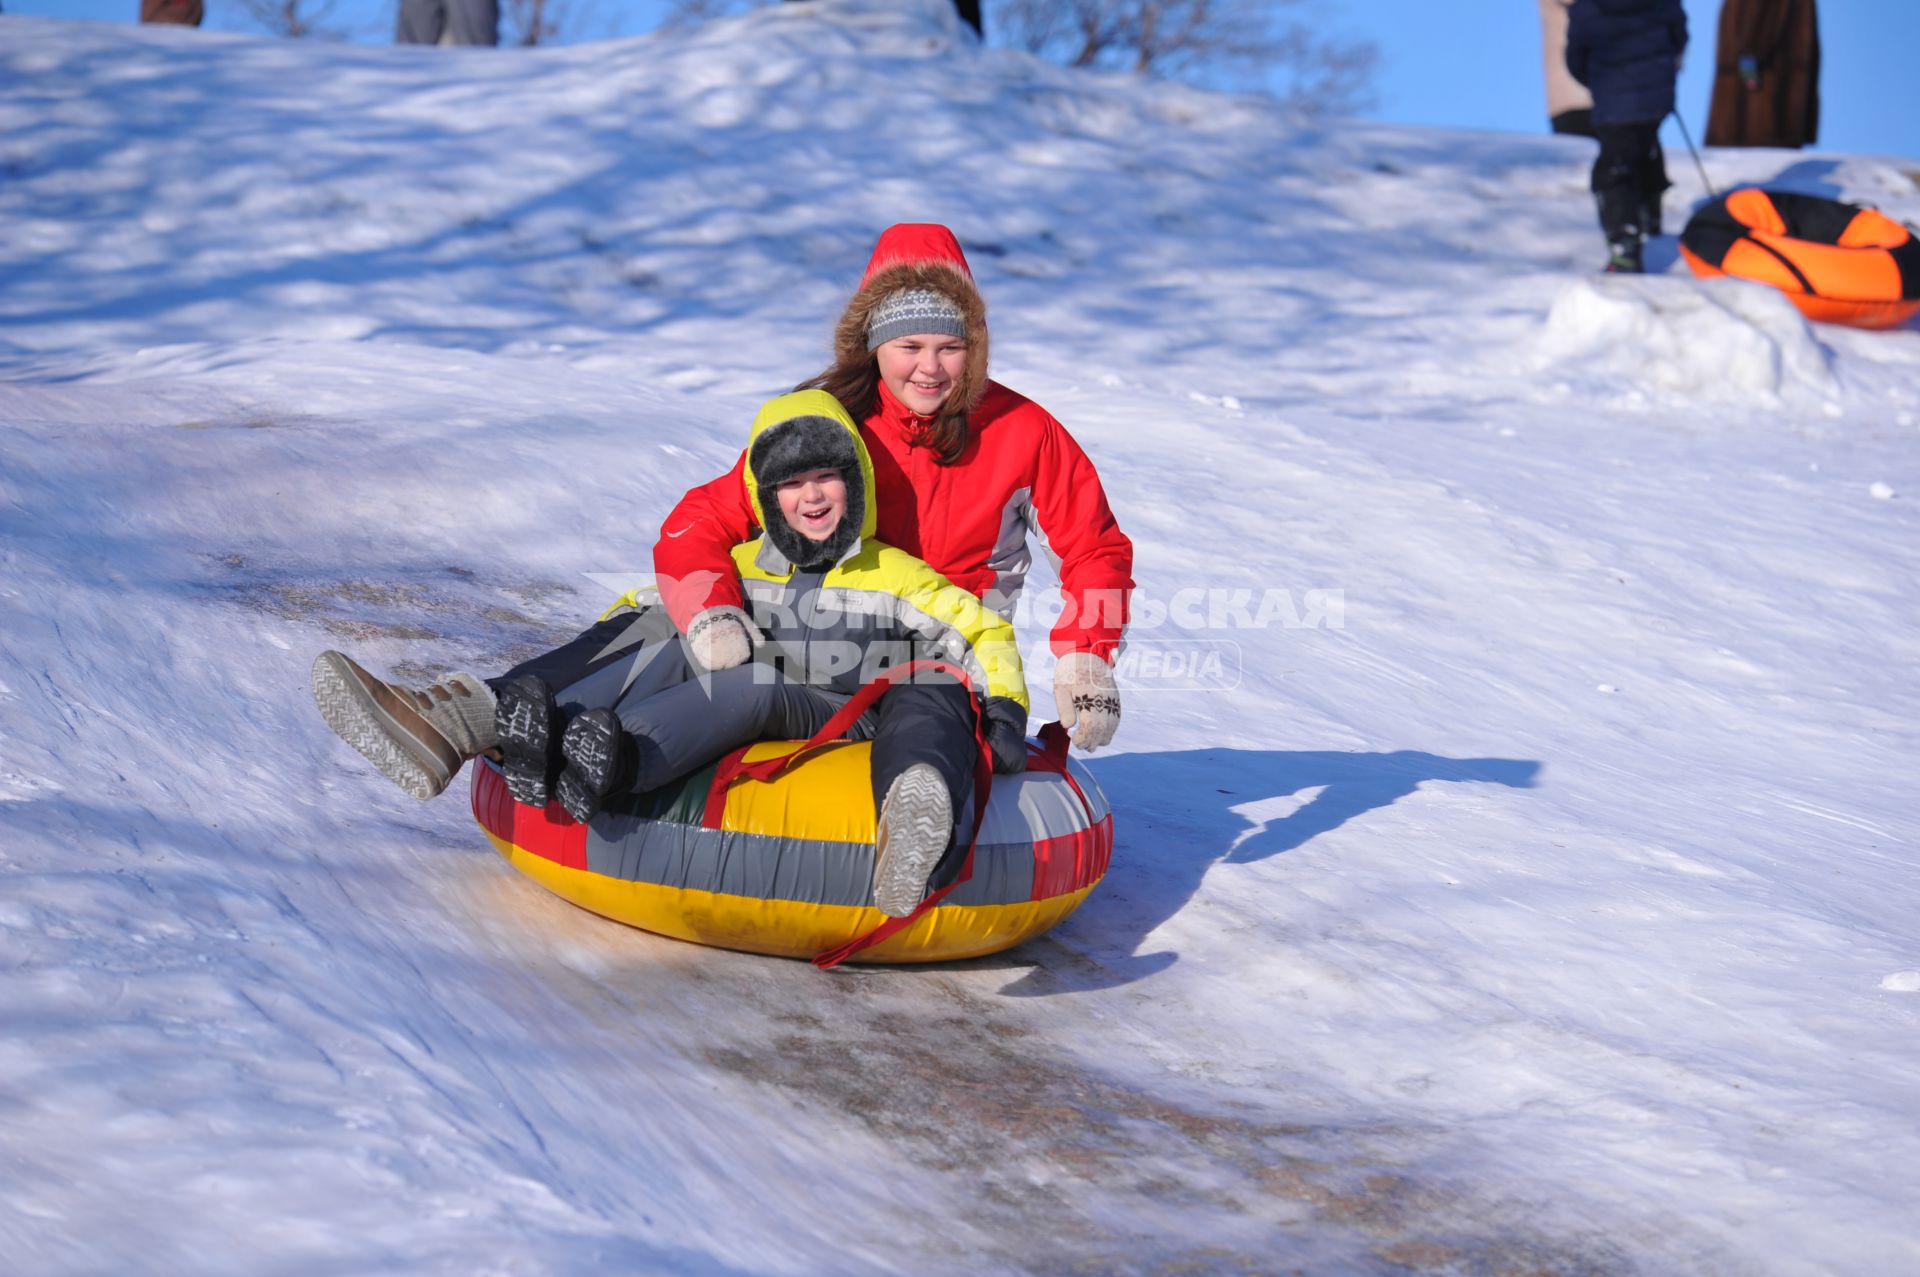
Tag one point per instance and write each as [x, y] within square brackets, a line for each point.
[854, 376]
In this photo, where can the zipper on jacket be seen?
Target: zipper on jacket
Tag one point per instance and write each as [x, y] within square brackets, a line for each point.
[806, 586]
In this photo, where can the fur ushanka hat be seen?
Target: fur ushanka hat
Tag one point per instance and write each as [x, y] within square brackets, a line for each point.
[798, 444]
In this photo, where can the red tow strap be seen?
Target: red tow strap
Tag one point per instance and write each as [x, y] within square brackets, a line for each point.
[735, 767]
[982, 789]
[1050, 756]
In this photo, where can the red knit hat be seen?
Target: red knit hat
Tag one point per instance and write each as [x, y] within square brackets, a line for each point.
[911, 242]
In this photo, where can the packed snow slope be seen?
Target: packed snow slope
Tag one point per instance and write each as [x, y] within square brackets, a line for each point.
[1527, 885]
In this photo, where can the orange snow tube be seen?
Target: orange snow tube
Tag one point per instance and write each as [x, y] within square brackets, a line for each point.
[1840, 264]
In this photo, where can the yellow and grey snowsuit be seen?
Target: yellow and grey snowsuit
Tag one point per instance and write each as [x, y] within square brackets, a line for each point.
[824, 628]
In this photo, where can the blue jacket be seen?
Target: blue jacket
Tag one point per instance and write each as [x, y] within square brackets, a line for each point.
[1627, 53]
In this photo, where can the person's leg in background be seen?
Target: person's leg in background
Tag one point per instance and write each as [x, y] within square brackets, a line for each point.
[474, 22]
[1619, 191]
[421, 22]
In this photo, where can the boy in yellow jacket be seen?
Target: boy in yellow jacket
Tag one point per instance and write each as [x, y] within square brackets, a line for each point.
[830, 609]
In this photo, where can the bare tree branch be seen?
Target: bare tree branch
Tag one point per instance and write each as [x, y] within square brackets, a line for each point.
[691, 13]
[533, 22]
[1241, 44]
[294, 19]
[1217, 43]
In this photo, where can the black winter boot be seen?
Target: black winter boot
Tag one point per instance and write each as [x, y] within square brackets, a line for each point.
[1623, 257]
[528, 726]
[601, 762]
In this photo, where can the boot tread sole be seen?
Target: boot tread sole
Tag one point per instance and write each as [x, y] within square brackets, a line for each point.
[916, 823]
[524, 728]
[357, 718]
[571, 793]
[588, 747]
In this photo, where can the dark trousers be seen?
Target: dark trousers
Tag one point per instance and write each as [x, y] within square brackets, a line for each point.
[1629, 177]
[636, 665]
[1578, 122]
[680, 719]
[928, 721]
[593, 648]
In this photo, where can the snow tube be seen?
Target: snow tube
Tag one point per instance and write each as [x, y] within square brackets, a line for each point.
[1838, 263]
[785, 866]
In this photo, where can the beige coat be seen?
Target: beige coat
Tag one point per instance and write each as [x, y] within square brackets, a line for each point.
[1564, 93]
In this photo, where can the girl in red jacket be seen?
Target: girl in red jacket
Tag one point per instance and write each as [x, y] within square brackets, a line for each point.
[964, 470]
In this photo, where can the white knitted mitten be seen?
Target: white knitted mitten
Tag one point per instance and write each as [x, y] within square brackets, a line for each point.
[721, 638]
[1087, 699]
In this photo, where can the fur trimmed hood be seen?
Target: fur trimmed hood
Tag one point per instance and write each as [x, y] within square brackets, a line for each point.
[794, 434]
[934, 266]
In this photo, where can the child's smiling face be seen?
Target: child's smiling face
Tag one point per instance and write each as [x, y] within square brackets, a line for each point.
[813, 503]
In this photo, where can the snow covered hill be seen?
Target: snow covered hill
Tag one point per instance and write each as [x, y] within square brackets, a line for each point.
[1539, 897]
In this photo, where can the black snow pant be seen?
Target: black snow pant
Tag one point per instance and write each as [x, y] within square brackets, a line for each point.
[1577, 122]
[1629, 178]
[681, 720]
[928, 721]
[459, 21]
[597, 645]
[636, 665]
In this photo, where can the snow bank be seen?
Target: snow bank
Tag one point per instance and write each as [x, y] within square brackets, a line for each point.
[1723, 340]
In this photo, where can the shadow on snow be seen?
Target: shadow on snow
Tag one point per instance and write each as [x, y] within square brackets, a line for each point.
[1178, 815]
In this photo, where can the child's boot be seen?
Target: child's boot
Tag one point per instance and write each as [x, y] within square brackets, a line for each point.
[418, 740]
[1624, 257]
[601, 762]
[1620, 222]
[916, 824]
[528, 726]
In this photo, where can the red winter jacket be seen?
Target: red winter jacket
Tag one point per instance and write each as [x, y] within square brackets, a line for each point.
[1020, 470]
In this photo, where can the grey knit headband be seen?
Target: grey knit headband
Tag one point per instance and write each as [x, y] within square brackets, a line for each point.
[912, 311]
